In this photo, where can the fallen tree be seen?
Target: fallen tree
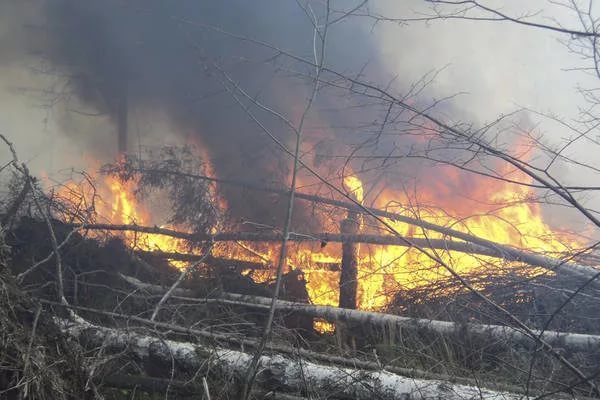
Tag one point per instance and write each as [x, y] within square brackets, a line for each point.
[496, 251]
[567, 340]
[283, 348]
[277, 372]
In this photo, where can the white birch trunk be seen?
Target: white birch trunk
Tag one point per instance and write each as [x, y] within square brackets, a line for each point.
[282, 373]
[473, 245]
[567, 340]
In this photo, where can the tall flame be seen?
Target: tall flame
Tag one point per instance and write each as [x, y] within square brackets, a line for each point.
[355, 187]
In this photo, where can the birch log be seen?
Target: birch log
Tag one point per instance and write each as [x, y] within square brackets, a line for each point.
[278, 372]
[475, 245]
[567, 340]
[571, 341]
[505, 251]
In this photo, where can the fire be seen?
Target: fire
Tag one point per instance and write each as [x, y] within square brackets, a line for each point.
[113, 201]
[120, 206]
[507, 218]
[355, 187]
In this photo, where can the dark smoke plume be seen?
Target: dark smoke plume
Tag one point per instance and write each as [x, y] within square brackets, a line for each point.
[168, 57]
[160, 55]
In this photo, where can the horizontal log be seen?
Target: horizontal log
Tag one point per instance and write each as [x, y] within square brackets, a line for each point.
[154, 289]
[497, 251]
[330, 359]
[277, 371]
[567, 340]
[512, 253]
[571, 341]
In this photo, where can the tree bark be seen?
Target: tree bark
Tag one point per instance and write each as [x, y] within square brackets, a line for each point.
[277, 372]
[567, 340]
[495, 250]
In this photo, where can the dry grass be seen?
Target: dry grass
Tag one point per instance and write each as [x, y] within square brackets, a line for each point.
[35, 362]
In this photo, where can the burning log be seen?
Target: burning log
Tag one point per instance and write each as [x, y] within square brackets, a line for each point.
[278, 372]
[567, 340]
[495, 250]
[488, 247]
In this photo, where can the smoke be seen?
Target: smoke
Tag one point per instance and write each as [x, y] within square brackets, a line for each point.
[85, 59]
[160, 59]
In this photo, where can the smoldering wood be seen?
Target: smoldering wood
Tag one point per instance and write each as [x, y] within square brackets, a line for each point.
[277, 371]
[496, 251]
[567, 340]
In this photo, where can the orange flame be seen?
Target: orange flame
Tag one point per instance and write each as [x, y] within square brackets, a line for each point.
[382, 270]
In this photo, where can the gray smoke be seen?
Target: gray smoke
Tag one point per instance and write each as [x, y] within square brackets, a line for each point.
[163, 57]
[160, 56]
